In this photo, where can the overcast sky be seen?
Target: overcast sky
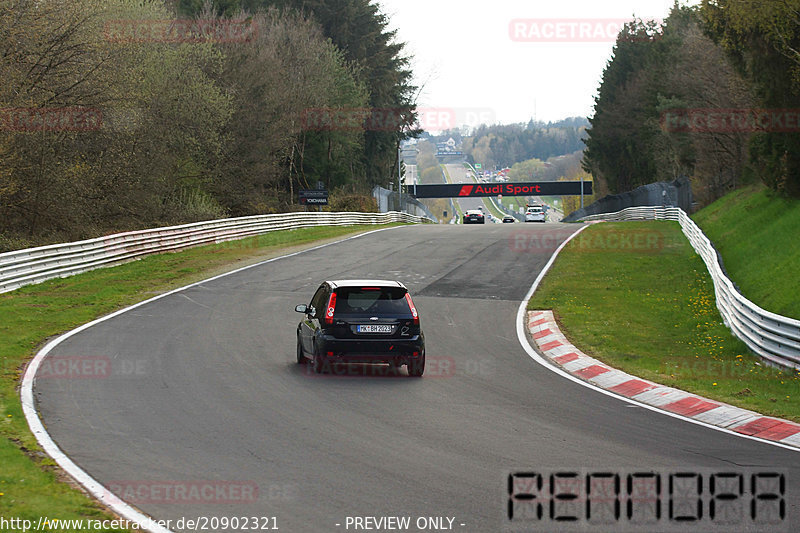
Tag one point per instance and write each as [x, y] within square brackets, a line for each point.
[504, 61]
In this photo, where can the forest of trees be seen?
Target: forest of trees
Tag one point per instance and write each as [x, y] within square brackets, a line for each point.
[684, 97]
[126, 114]
[503, 145]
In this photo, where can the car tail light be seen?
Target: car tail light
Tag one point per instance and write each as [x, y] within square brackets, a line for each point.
[330, 310]
[413, 309]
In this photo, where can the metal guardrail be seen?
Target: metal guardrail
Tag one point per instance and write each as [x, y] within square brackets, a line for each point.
[774, 337]
[34, 265]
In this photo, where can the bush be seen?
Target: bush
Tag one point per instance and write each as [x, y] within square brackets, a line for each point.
[361, 203]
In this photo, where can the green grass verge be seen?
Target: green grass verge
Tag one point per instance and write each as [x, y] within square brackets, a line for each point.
[756, 234]
[30, 484]
[636, 296]
[493, 209]
[516, 202]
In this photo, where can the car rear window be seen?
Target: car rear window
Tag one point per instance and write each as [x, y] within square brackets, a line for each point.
[371, 301]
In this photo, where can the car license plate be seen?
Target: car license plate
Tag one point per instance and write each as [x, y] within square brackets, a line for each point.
[374, 328]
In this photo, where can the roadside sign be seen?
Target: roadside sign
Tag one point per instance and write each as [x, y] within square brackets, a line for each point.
[313, 197]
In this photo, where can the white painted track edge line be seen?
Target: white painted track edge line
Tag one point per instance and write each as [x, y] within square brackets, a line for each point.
[526, 345]
[91, 485]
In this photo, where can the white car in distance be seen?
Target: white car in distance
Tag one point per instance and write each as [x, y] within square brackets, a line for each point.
[535, 213]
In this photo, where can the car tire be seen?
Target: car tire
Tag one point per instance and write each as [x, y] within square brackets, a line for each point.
[416, 367]
[301, 358]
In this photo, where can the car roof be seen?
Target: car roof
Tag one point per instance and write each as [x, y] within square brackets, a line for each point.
[476, 211]
[364, 282]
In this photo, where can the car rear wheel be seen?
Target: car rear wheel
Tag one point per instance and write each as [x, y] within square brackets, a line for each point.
[301, 358]
[416, 367]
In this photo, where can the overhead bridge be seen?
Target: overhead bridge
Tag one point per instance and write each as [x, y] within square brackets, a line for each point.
[538, 188]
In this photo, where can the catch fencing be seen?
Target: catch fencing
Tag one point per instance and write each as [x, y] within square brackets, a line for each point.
[391, 201]
[775, 338]
[677, 193]
[34, 265]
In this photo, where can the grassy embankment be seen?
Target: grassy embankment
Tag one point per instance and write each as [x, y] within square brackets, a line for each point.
[30, 484]
[649, 309]
[438, 206]
[756, 234]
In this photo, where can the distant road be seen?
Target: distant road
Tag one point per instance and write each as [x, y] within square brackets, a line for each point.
[458, 174]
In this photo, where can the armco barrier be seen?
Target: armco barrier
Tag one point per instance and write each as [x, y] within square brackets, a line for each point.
[34, 265]
[774, 337]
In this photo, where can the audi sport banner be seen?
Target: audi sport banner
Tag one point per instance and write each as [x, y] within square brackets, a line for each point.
[538, 188]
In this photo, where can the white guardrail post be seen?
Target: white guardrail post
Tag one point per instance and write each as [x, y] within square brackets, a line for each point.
[34, 265]
[775, 338]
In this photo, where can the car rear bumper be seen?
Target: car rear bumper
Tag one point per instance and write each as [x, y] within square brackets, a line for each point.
[370, 350]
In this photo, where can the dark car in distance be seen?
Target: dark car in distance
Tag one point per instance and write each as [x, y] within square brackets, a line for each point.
[474, 216]
[508, 219]
[361, 321]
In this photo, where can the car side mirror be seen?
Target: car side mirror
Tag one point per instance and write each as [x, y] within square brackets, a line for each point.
[302, 308]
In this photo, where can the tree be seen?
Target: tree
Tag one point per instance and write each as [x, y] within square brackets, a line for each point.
[616, 145]
[359, 29]
[158, 117]
[530, 170]
[655, 75]
[287, 70]
[504, 145]
[763, 40]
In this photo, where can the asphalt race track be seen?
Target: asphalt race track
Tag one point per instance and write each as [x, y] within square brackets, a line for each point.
[203, 387]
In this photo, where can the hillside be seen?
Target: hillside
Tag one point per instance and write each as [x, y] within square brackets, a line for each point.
[756, 233]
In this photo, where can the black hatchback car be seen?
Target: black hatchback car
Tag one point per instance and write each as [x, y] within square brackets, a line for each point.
[361, 321]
